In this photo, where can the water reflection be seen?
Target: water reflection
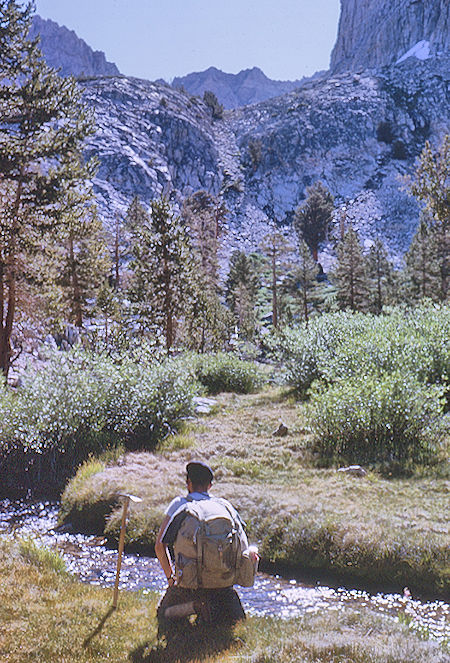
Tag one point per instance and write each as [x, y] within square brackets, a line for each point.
[89, 560]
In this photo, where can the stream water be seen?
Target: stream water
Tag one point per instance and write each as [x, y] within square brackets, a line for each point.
[88, 559]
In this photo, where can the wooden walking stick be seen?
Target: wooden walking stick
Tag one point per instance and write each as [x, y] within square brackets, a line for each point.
[126, 504]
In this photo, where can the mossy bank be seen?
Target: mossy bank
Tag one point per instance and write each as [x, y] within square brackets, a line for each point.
[381, 532]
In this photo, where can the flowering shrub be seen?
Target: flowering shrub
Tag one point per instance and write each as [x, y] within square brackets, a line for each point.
[81, 404]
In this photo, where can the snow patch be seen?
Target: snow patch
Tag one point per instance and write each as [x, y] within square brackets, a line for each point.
[421, 51]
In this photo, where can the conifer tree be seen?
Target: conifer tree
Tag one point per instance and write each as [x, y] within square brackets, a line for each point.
[423, 268]
[240, 291]
[162, 283]
[380, 275]
[208, 325]
[204, 215]
[350, 273]
[136, 215]
[85, 264]
[313, 217]
[275, 247]
[431, 185]
[305, 275]
[108, 306]
[431, 180]
[43, 123]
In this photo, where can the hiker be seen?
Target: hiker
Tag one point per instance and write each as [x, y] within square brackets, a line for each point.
[202, 582]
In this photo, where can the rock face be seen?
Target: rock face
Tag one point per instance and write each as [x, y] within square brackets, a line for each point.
[151, 140]
[375, 33]
[356, 132]
[233, 90]
[62, 49]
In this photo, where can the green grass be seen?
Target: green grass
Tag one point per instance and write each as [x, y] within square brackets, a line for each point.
[384, 532]
[48, 616]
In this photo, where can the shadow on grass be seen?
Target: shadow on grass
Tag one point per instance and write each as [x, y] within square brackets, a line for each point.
[98, 628]
[193, 644]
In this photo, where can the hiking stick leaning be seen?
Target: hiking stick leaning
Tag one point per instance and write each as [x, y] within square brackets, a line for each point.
[126, 504]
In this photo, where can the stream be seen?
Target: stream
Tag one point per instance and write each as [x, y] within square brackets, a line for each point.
[87, 558]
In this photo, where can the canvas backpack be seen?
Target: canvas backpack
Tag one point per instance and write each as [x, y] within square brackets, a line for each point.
[208, 550]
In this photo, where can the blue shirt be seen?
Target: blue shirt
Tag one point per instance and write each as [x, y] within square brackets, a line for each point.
[180, 500]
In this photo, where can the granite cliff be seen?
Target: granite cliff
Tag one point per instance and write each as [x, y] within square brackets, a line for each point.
[375, 33]
[356, 132]
[63, 50]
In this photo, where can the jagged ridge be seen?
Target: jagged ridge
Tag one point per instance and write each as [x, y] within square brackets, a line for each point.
[249, 86]
[64, 50]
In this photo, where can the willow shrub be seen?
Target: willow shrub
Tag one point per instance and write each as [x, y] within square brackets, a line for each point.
[81, 404]
[226, 372]
[392, 418]
[338, 346]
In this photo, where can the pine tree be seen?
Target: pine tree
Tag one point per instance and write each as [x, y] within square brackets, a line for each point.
[213, 104]
[275, 247]
[162, 283]
[431, 185]
[312, 219]
[380, 275]
[43, 123]
[305, 278]
[204, 215]
[423, 268]
[350, 273]
[136, 215]
[108, 306]
[431, 180]
[85, 265]
[240, 291]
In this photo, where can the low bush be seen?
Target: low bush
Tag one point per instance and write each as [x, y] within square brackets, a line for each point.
[81, 404]
[343, 345]
[389, 418]
[226, 372]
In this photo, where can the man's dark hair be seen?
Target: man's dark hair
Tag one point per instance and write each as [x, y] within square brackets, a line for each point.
[199, 473]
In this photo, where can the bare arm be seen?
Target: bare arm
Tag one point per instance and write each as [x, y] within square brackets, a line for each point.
[162, 553]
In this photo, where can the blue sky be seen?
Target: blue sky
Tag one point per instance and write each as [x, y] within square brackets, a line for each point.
[154, 39]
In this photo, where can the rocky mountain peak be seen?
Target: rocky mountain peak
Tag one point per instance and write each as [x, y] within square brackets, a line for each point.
[375, 33]
[249, 86]
[63, 49]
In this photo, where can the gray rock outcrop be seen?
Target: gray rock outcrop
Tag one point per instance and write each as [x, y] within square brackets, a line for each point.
[375, 33]
[358, 133]
[64, 50]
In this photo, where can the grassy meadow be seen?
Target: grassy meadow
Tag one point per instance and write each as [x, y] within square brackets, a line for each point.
[47, 616]
[348, 388]
[385, 532]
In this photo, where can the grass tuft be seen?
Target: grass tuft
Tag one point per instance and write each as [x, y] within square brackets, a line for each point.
[41, 556]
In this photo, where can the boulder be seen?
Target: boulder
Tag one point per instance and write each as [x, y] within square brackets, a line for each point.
[281, 431]
[353, 471]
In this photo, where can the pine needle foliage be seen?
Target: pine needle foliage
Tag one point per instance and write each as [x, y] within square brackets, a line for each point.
[350, 274]
[313, 217]
[423, 275]
[44, 124]
[162, 283]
